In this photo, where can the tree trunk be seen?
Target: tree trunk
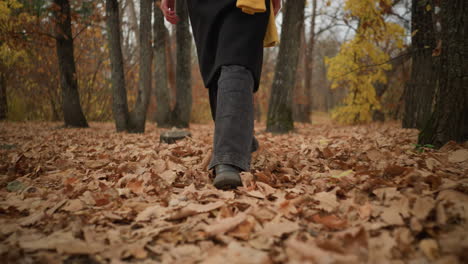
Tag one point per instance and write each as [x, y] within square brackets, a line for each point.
[3, 97]
[119, 93]
[170, 64]
[381, 88]
[300, 100]
[162, 92]
[183, 106]
[279, 119]
[419, 91]
[55, 112]
[127, 46]
[309, 63]
[133, 19]
[449, 119]
[138, 115]
[72, 112]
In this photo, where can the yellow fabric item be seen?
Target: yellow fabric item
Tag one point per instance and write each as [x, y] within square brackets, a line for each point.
[258, 6]
[251, 6]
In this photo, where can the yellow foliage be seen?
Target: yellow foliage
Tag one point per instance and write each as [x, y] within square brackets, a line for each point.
[9, 54]
[6, 6]
[350, 69]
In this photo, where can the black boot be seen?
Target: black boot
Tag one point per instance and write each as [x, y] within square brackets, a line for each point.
[227, 177]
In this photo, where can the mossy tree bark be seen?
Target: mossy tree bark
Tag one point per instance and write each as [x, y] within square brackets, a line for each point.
[71, 106]
[304, 110]
[119, 93]
[133, 122]
[279, 118]
[161, 90]
[137, 119]
[449, 119]
[419, 91]
[180, 116]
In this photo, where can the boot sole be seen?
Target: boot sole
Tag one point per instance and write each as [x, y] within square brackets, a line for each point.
[227, 180]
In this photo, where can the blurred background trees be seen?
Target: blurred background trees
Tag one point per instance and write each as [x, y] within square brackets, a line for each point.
[357, 60]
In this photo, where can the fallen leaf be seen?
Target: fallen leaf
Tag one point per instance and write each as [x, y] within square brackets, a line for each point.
[255, 194]
[279, 227]
[237, 253]
[339, 174]
[310, 251]
[32, 219]
[432, 163]
[135, 186]
[151, 211]
[224, 225]
[73, 205]
[457, 156]
[380, 247]
[392, 216]
[365, 211]
[186, 253]
[96, 164]
[388, 193]
[430, 248]
[169, 176]
[330, 221]
[244, 229]
[62, 241]
[266, 189]
[193, 209]
[393, 171]
[327, 201]
[422, 207]
[375, 155]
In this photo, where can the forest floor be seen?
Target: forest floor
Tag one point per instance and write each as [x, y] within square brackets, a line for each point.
[324, 194]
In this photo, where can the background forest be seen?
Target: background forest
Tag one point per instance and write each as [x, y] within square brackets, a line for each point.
[360, 61]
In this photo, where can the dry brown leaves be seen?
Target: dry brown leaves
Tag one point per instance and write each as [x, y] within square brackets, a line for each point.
[321, 195]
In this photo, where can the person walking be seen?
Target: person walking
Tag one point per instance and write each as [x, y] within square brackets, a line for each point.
[229, 37]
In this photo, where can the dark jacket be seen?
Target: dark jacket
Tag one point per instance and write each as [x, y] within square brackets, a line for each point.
[224, 35]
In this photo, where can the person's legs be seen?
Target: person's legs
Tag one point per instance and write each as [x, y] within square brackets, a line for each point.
[232, 108]
[213, 98]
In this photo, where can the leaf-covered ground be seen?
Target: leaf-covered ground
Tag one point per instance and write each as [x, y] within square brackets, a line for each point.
[325, 194]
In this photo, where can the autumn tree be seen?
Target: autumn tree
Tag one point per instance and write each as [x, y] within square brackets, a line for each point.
[449, 118]
[135, 120]
[71, 106]
[11, 53]
[179, 115]
[161, 89]
[420, 89]
[304, 106]
[34, 82]
[279, 118]
[361, 61]
[129, 6]
[119, 92]
[138, 115]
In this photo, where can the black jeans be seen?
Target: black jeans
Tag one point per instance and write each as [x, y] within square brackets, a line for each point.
[231, 103]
